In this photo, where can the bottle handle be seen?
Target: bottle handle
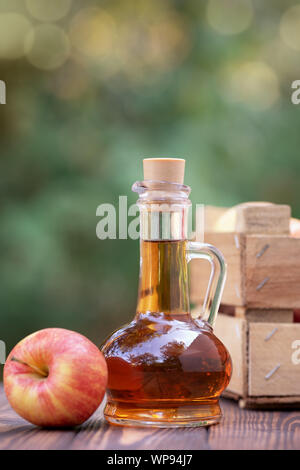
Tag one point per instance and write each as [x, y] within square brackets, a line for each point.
[212, 299]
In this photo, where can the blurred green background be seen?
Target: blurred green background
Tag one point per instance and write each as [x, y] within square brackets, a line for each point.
[92, 87]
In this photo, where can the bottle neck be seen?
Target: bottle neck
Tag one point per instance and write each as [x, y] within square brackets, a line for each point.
[163, 283]
[164, 222]
[164, 228]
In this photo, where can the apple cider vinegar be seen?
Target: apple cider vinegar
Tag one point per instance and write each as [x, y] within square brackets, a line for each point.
[166, 368]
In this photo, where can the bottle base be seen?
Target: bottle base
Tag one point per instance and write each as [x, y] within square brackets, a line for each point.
[165, 416]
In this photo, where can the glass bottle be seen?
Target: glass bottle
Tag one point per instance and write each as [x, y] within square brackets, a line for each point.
[166, 368]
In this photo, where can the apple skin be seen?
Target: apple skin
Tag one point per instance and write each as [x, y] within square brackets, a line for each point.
[72, 382]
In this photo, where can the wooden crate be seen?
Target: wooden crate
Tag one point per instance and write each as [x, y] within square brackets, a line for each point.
[263, 270]
[261, 295]
[266, 361]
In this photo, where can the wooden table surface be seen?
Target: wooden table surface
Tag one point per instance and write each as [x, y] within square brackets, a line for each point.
[240, 429]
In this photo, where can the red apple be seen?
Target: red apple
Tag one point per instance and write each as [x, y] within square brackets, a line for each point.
[55, 378]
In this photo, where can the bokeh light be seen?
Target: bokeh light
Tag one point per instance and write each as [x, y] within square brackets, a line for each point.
[168, 41]
[71, 83]
[13, 30]
[230, 16]
[290, 27]
[254, 84]
[112, 44]
[48, 10]
[285, 61]
[93, 33]
[47, 46]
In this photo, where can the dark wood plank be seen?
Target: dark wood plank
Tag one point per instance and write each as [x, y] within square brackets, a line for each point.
[240, 429]
[16, 433]
[100, 435]
[255, 430]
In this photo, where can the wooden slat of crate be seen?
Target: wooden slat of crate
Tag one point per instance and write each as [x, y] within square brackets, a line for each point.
[272, 272]
[271, 403]
[231, 246]
[266, 315]
[263, 271]
[233, 333]
[249, 217]
[272, 349]
[263, 218]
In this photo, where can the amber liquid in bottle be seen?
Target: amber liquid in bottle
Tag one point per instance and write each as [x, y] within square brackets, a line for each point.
[165, 368]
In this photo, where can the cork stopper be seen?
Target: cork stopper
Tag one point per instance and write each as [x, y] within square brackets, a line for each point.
[164, 169]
